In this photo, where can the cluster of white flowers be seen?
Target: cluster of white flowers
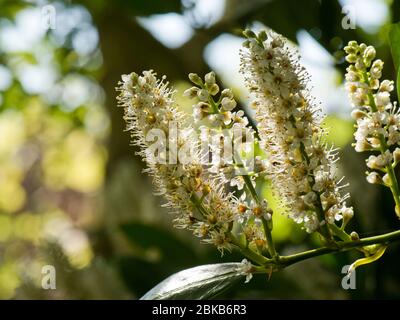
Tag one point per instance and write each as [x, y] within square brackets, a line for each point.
[230, 141]
[378, 119]
[205, 166]
[197, 198]
[301, 167]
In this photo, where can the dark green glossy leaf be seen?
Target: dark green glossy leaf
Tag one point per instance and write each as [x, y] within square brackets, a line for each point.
[202, 282]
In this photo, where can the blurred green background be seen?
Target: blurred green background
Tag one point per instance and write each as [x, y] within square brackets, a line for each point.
[71, 189]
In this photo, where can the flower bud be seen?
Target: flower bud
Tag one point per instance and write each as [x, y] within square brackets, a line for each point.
[228, 104]
[375, 142]
[352, 76]
[347, 214]
[382, 99]
[361, 145]
[214, 89]
[191, 92]
[354, 236]
[396, 155]
[262, 36]
[386, 180]
[246, 44]
[386, 85]
[379, 162]
[249, 34]
[376, 69]
[352, 47]
[277, 43]
[195, 79]
[369, 53]
[201, 110]
[134, 78]
[359, 64]
[204, 107]
[227, 93]
[374, 84]
[373, 163]
[210, 78]
[215, 120]
[374, 178]
[203, 95]
[357, 114]
[351, 58]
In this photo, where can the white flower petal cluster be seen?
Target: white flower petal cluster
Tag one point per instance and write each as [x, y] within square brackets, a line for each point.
[224, 132]
[301, 167]
[197, 198]
[378, 119]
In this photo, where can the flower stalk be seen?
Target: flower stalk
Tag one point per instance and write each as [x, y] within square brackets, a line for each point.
[378, 120]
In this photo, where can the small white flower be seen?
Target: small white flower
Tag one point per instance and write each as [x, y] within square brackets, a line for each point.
[382, 99]
[203, 95]
[237, 182]
[386, 85]
[210, 78]
[347, 213]
[246, 268]
[376, 69]
[374, 178]
[228, 104]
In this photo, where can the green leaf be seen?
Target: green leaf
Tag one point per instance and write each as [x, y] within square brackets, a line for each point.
[202, 282]
[394, 40]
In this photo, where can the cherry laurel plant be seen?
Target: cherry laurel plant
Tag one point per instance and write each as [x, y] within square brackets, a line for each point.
[204, 163]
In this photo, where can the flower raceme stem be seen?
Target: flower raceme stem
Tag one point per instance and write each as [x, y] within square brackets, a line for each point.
[378, 119]
[301, 167]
